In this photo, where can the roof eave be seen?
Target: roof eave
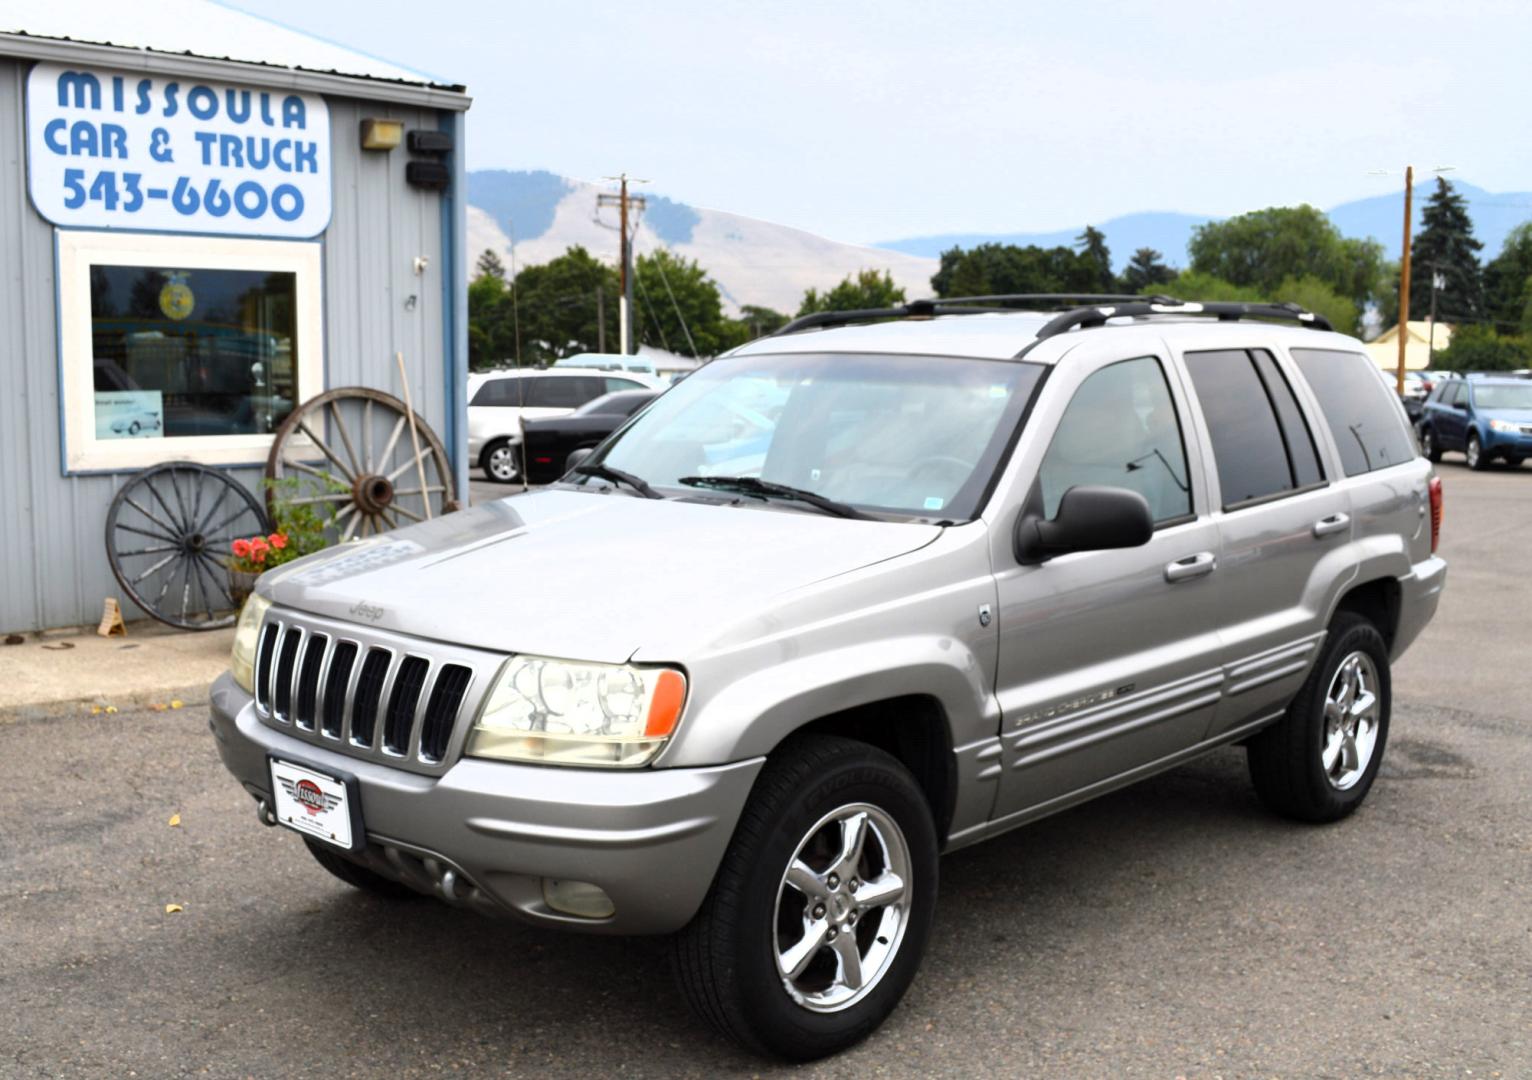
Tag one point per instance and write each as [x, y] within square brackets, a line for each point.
[334, 84]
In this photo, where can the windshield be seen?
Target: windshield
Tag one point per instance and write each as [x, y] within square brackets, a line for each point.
[1503, 397]
[905, 435]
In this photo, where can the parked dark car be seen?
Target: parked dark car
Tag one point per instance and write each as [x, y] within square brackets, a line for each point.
[1485, 417]
[550, 442]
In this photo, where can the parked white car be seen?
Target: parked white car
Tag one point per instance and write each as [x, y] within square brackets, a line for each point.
[131, 423]
[499, 400]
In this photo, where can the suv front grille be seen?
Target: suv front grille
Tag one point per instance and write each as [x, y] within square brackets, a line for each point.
[368, 693]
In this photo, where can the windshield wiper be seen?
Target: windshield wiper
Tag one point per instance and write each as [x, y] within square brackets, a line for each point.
[750, 485]
[618, 476]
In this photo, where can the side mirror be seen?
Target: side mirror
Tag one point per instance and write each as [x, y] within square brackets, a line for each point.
[1461, 406]
[1089, 518]
[577, 456]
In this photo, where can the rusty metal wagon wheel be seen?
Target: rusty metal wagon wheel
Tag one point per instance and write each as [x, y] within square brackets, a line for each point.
[347, 454]
[167, 533]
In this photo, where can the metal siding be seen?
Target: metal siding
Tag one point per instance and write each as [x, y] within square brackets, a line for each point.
[53, 566]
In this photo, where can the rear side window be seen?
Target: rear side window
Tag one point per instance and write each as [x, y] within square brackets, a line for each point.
[612, 385]
[1261, 443]
[1363, 416]
[499, 392]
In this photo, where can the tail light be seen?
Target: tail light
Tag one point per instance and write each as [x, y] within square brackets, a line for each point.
[1436, 512]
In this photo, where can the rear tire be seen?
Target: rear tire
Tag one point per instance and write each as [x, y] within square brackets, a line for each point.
[1318, 762]
[786, 900]
[1429, 446]
[357, 876]
[501, 462]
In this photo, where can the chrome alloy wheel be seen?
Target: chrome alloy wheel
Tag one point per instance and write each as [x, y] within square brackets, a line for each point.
[1352, 712]
[502, 463]
[1473, 451]
[842, 908]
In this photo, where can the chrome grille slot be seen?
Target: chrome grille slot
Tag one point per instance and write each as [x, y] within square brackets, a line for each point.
[308, 681]
[268, 648]
[442, 710]
[369, 693]
[369, 689]
[336, 683]
[287, 657]
[403, 702]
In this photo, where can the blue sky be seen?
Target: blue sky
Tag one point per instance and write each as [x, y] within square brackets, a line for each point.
[874, 121]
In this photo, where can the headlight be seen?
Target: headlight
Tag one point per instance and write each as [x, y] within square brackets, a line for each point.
[562, 713]
[1503, 425]
[246, 636]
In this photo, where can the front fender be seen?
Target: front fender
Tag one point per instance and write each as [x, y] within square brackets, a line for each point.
[751, 715]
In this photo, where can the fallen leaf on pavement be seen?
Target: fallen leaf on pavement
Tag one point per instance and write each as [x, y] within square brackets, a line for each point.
[177, 703]
[175, 819]
[158, 706]
[111, 708]
[59, 646]
[171, 909]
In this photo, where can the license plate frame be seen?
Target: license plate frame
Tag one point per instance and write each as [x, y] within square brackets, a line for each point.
[331, 821]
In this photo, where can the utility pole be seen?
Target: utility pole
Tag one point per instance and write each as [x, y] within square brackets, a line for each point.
[600, 319]
[1404, 278]
[625, 269]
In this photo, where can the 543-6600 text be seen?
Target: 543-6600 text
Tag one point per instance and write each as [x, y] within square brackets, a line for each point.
[126, 192]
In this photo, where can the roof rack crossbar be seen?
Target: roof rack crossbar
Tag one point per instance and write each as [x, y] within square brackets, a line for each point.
[1225, 311]
[998, 303]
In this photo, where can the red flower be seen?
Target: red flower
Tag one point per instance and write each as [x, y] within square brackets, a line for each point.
[241, 549]
[278, 540]
[258, 543]
[259, 554]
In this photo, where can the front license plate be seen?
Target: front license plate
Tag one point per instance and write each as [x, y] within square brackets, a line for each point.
[316, 804]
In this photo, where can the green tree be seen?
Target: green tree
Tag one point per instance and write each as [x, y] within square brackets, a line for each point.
[1010, 268]
[680, 307]
[1310, 293]
[491, 323]
[1146, 271]
[1195, 285]
[489, 264]
[1476, 347]
[1508, 282]
[865, 289]
[557, 305]
[1098, 259]
[1264, 248]
[1446, 246]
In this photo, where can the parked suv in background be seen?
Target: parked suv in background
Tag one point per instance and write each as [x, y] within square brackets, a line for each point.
[1487, 418]
[906, 584]
[499, 400]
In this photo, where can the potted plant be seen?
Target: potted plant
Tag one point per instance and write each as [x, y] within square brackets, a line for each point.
[300, 531]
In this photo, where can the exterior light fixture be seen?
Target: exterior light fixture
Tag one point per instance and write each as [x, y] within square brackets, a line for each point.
[380, 134]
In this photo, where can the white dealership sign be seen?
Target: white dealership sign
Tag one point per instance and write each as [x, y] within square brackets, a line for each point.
[115, 150]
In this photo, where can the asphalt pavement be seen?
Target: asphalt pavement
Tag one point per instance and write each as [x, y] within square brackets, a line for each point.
[1174, 929]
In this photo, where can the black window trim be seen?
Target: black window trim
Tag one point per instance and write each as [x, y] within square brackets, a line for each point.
[1276, 415]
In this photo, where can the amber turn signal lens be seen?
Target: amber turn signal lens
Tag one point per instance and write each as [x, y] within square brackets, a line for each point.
[665, 707]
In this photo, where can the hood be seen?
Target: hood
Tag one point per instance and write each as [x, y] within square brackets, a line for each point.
[1516, 416]
[584, 575]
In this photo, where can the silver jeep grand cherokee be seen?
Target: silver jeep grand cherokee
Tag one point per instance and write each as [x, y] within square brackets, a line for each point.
[874, 588]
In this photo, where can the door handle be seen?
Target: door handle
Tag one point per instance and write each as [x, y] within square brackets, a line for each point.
[1193, 566]
[1333, 524]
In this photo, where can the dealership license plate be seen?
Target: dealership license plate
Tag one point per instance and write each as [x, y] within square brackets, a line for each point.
[315, 803]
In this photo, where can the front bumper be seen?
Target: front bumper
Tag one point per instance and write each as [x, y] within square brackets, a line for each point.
[485, 833]
[1507, 443]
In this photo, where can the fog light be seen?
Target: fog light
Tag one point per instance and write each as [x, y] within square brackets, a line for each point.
[577, 898]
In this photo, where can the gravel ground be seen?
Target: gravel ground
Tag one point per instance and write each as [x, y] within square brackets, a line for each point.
[1172, 929]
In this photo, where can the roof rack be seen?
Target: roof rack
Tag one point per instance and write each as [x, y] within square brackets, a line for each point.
[1224, 311]
[958, 305]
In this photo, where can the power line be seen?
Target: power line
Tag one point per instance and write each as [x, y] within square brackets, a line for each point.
[659, 264]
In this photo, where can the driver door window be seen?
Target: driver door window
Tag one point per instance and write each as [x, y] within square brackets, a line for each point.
[1121, 430]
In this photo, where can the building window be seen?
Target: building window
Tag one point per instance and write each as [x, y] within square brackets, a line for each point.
[177, 347]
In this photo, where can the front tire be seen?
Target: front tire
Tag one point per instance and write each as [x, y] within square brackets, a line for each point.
[1429, 446]
[816, 922]
[1319, 761]
[500, 462]
[1474, 452]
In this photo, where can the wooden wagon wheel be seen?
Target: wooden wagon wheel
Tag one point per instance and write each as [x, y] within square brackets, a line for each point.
[347, 454]
[167, 534]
